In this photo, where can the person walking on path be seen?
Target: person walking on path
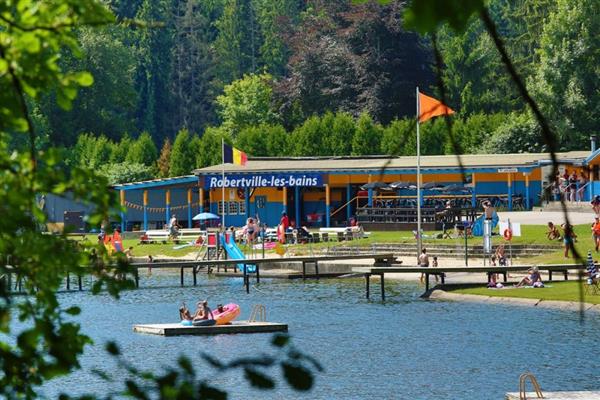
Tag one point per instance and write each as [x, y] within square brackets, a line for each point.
[596, 232]
[423, 263]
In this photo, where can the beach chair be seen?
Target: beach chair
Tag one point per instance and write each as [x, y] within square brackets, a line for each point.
[340, 236]
[325, 236]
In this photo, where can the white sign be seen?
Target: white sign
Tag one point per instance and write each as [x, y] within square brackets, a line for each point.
[508, 170]
[516, 228]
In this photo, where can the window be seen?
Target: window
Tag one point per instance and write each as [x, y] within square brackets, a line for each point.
[233, 208]
[242, 207]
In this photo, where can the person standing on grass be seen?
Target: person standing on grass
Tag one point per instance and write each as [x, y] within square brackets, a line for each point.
[423, 263]
[596, 232]
[568, 238]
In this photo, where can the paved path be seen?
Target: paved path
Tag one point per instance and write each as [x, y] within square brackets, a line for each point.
[542, 217]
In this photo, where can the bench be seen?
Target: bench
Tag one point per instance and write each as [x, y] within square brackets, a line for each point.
[162, 236]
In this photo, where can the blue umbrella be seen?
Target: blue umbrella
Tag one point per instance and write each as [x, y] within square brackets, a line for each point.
[205, 216]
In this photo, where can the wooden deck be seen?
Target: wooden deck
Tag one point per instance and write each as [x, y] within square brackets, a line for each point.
[379, 260]
[442, 271]
[234, 327]
[595, 395]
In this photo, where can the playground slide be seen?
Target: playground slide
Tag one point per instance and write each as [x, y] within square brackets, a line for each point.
[477, 228]
[234, 253]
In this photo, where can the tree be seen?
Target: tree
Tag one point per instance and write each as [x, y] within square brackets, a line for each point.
[164, 160]
[339, 140]
[275, 19]
[263, 140]
[246, 102]
[193, 67]
[108, 106]
[520, 133]
[125, 172]
[367, 138]
[143, 151]
[307, 139]
[92, 152]
[152, 72]
[567, 82]
[120, 149]
[237, 41]
[183, 155]
[209, 148]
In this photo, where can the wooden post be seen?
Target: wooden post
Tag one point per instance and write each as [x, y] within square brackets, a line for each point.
[68, 282]
[367, 281]
[181, 275]
[79, 283]
[195, 273]
[426, 282]
[317, 268]
[382, 286]
[303, 270]
[246, 281]
[136, 275]
[258, 272]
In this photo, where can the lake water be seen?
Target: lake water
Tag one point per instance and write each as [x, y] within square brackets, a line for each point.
[405, 348]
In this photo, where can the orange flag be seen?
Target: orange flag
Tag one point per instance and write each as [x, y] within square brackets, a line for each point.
[430, 107]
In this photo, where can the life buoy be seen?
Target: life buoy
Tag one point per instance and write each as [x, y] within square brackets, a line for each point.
[241, 193]
[507, 234]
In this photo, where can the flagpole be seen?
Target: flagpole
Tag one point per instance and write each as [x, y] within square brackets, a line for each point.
[223, 185]
[419, 244]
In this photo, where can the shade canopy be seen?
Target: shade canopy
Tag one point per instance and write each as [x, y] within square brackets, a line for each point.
[375, 185]
[205, 216]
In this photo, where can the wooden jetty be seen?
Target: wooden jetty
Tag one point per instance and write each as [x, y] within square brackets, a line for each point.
[234, 327]
[379, 260]
[442, 271]
[581, 395]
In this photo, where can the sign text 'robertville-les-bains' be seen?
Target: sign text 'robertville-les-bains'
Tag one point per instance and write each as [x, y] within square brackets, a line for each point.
[264, 180]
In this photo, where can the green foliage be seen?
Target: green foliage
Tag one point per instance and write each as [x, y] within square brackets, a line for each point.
[125, 172]
[183, 154]
[367, 138]
[339, 138]
[427, 15]
[92, 152]
[519, 133]
[120, 150]
[263, 140]
[182, 382]
[108, 106]
[209, 150]
[308, 138]
[247, 102]
[142, 151]
[567, 82]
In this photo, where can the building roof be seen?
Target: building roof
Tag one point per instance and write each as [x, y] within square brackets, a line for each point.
[176, 180]
[341, 164]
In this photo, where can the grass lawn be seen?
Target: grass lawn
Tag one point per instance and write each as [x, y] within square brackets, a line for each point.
[533, 234]
[564, 291]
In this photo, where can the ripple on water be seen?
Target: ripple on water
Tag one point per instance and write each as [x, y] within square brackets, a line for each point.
[406, 348]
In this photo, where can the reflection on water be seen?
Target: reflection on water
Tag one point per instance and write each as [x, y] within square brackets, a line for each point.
[406, 348]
